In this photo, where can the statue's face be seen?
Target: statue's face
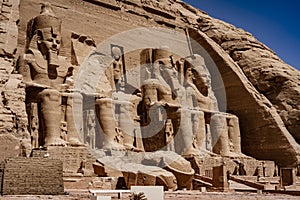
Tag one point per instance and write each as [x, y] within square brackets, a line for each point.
[207, 79]
[189, 74]
[50, 43]
[168, 72]
[116, 53]
[166, 62]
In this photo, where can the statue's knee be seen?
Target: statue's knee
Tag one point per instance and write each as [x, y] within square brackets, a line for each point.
[73, 98]
[49, 95]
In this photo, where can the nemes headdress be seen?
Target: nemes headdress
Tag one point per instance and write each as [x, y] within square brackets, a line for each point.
[46, 19]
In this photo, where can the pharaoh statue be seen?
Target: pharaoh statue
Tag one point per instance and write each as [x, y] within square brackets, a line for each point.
[189, 120]
[222, 128]
[54, 109]
[182, 87]
[159, 105]
[163, 91]
[116, 113]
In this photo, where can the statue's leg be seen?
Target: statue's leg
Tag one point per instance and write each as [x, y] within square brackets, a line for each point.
[199, 130]
[150, 94]
[34, 125]
[50, 109]
[138, 137]
[126, 124]
[208, 145]
[219, 131]
[74, 118]
[104, 111]
[186, 137]
[234, 133]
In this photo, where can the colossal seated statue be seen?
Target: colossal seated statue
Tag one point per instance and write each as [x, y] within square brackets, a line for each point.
[117, 113]
[45, 74]
[185, 84]
[189, 120]
[223, 127]
[158, 102]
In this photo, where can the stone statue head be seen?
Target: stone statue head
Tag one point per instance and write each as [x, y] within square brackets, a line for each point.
[48, 41]
[44, 31]
[116, 53]
[163, 57]
[200, 74]
[188, 72]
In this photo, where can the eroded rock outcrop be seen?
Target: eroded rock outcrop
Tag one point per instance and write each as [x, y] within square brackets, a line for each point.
[13, 118]
[273, 78]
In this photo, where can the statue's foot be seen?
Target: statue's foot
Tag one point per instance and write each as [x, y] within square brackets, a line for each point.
[191, 152]
[236, 155]
[55, 142]
[209, 153]
[113, 146]
[75, 142]
[132, 148]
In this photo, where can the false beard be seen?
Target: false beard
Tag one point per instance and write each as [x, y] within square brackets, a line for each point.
[53, 58]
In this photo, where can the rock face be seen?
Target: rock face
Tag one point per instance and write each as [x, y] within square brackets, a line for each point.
[272, 77]
[13, 117]
[258, 99]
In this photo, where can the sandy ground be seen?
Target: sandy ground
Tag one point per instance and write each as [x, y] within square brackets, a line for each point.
[181, 195]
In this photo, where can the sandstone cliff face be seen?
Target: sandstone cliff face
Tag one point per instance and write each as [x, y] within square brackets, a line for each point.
[13, 118]
[261, 89]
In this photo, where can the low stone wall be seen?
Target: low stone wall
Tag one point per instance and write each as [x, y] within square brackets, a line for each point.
[203, 166]
[72, 158]
[34, 176]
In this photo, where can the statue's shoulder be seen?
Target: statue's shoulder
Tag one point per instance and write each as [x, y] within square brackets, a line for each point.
[26, 57]
[63, 61]
[34, 57]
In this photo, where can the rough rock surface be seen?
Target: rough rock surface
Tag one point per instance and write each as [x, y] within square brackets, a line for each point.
[10, 146]
[273, 78]
[13, 118]
[165, 165]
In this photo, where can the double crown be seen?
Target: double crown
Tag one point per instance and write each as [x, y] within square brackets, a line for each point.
[46, 19]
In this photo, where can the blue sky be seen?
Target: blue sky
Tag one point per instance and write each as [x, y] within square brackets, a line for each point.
[276, 23]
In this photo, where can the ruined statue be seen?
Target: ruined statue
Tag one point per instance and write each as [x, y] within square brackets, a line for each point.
[197, 125]
[48, 76]
[189, 120]
[116, 113]
[165, 91]
[159, 105]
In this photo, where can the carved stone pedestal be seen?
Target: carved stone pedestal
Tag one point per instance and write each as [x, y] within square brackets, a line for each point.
[75, 159]
[32, 176]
